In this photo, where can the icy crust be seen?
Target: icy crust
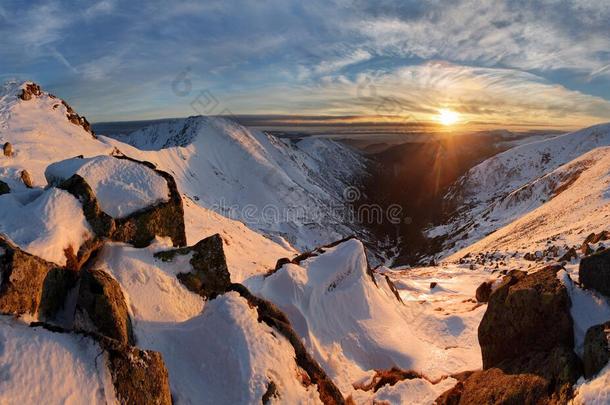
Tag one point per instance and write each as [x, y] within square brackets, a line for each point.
[215, 353]
[44, 223]
[274, 186]
[121, 186]
[353, 326]
[40, 133]
[39, 366]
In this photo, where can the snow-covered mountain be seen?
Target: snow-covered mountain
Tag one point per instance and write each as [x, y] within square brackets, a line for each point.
[507, 186]
[120, 281]
[292, 190]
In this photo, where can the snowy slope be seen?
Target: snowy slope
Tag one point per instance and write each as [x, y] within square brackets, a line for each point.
[40, 133]
[290, 190]
[513, 183]
[353, 325]
[578, 195]
[217, 352]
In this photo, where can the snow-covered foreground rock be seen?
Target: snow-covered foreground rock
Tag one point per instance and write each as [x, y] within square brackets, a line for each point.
[292, 190]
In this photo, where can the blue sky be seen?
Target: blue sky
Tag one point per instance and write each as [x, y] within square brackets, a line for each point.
[499, 62]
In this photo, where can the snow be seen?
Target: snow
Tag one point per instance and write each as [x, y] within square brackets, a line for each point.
[39, 366]
[41, 134]
[44, 223]
[215, 353]
[121, 186]
[274, 186]
[353, 326]
[596, 391]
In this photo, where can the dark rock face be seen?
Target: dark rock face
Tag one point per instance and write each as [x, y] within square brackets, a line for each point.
[139, 376]
[526, 313]
[569, 255]
[210, 275]
[594, 272]
[483, 292]
[4, 188]
[26, 178]
[597, 352]
[31, 90]
[76, 119]
[101, 307]
[8, 149]
[23, 281]
[139, 228]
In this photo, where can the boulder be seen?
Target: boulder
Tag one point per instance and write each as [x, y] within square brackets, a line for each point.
[139, 376]
[8, 149]
[568, 256]
[597, 349]
[526, 313]
[101, 307]
[26, 178]
[586, 249]
[594, 272]
[210, 275]
[4, 188]
[29, 284]
[30, 90]
[483, 292]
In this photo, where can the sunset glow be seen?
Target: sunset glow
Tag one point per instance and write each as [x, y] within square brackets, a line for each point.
[448, 117]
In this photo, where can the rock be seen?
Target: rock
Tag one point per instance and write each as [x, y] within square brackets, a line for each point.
[4, 188]
[569, 255]
[483, 292]
[28, 285]
[139, 376]
[8, 149]
[26, 178]
[76, 119]
[597, 349]
[586, 249]
[281, 262]
[101, 307]
[433, 284]
[526, 313]
[30, 90]
[162, 219]
[210, 275]
[594, 272]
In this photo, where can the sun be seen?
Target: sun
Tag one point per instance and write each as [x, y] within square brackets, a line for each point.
[448, 117]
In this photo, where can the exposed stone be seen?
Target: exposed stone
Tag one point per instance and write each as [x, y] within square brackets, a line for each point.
[162, 219]
[139, 376]
[26, 178]
[8, 149]
[30, 90]
[586, 249]
[4, 188]
[483, 292]
[76, 119]
[433, 284]
[210, 275]
[569, 255]
[389, 377]
[594, 272]
[24, 279]
[101, 307]
[597, 349]
[526, 313]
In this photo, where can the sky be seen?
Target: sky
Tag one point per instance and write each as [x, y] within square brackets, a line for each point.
[501, 63]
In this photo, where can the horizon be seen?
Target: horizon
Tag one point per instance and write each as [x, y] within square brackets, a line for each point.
[497, 66]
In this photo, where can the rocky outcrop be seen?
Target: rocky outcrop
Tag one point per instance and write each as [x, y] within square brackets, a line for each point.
[8, 149]
[483, 292]
[30, 91]
[568, 256]
[26, 178]
[526, 313]
[30, 285]
[4, 188]
[139, 376]
[210, 275]
[140, 228]
[594, 272]
[597, 349]
[101, 307]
